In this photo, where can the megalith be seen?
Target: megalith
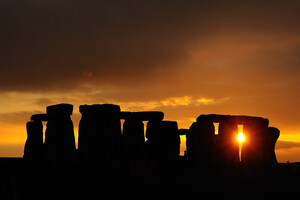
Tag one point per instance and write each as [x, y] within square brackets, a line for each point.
[163, 140]
[133, 132]
[269, 156]
[33, 150]
[200, 142]
[133, 138]
[59, 135]
[100, 132]
[227, 145]
[256, 134]
[87, 135]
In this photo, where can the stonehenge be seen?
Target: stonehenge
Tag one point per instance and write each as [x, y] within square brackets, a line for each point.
[134, 145]
[257, 150]
[102, 137]
[59, 143]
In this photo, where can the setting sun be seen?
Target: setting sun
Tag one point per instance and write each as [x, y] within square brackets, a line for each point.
[241, 137]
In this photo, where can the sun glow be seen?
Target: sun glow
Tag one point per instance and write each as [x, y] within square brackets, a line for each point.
[241, 137]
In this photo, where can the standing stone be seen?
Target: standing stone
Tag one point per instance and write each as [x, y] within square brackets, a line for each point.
[100, 132]
[228, 146]
[59, 136]
[163, 140]
[200, 142]
[33, 150]
[255, 131]
[133, 139]
[269, 156]
[86, 132]
[109, 127]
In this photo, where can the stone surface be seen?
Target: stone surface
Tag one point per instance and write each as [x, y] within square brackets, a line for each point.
[100, 132]
[59, 135]
[133, 139]
[163, 140]
[39, 117]
[144, 116]
[269, 156]
[227, 144]
[60, 110]
[200, 142]
[33, 150]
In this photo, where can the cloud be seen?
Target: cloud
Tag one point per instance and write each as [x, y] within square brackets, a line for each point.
[170, 102]
[58, 45]
[280, 144]
[16, 118]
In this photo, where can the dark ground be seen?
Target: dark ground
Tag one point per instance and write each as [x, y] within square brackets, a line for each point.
[144, 180]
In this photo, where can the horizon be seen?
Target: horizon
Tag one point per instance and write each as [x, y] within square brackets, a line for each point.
[17, 150]
[184, 59]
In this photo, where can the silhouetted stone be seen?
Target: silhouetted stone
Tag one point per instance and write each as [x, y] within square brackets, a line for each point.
[133, 139]
[100, 131]
[39, 117]
[143, 116]
[200, 142]
[227, 144]
[60, 110]
[255, 132]
[59, 136]
[100, 137]
[163, 140]
[213, 118]
[269, 156]
[87, 132]
[239, 119]
[125, 115]
[244, 120]
[183, 131]
[33, 150]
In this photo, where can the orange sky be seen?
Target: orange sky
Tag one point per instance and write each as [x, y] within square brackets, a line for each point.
[183, 58]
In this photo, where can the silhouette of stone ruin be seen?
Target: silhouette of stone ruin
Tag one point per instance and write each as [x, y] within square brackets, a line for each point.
[133, 132]
[59, 135]
[101, 137]
[204, 146]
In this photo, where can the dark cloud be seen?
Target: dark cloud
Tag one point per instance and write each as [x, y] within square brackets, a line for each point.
[62, 44]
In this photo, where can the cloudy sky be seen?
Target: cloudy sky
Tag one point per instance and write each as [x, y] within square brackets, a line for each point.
[185, 58]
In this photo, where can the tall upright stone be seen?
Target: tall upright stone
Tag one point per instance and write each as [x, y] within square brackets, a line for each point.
[163, 140]
[86, 132]
[269, 156]
[59, 135]
[100, 132]
[133, 132]
[200, 142]
[255, 131]
[133, 139]
[227, 144]
[33, 150]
